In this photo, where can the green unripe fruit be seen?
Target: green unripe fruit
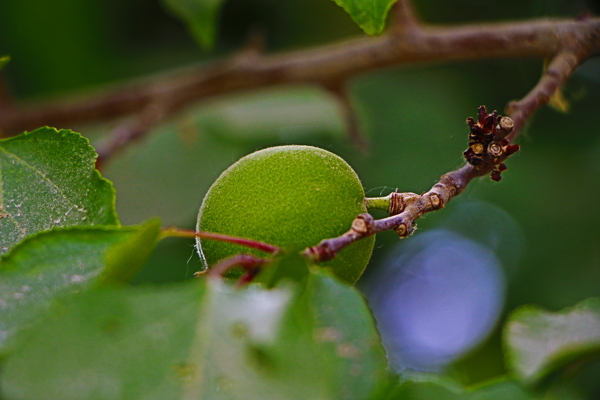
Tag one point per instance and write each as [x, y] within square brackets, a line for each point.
[289, 196]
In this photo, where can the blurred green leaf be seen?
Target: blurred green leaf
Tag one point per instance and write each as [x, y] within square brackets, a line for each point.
[414, 385]
[124, 261]
[50, 265]
[47, 180]
[200, 16]
[292, 114]
[3, 61]
[428, 386]
[342, 325]
[202, 340]
[370, 15]
[503, 389]
[564, 390]
[539, 342]
[422, 391]
[286, 266]
[209, 138]
[110, 344]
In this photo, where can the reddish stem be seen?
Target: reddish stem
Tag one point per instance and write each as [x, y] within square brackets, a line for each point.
[253, 244]
[250, 263]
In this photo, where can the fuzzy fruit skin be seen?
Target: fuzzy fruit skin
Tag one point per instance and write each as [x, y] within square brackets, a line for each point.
[289, 196]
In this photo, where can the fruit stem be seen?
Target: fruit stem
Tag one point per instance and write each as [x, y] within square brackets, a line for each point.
[250, 263]
[378, 203]
[177, 232]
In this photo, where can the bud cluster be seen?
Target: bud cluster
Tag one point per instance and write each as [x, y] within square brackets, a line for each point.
[488, 146]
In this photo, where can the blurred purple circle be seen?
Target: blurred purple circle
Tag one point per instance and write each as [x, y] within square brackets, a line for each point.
[436, 296]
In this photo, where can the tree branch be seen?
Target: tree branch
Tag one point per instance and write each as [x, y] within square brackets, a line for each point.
[409, 207]
[555, 76]
[567, 41]
[131, 130]
[487, 152]
[353, 131]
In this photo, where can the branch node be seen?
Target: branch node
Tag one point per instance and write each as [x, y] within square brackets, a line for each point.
[363, 224]
[252, 50]
[396, 203]
[403, 18]
[404, 230]
[320, 252]
[435, 200]
[399, 201]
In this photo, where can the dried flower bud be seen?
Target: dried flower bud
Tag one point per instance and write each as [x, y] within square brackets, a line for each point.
[488, 147]
[495, 150]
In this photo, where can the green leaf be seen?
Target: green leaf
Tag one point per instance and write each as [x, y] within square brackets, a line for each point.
[48, 180]
[124, 261]
[413, 385]
[291, 266]
[200, 16]
[201, 340]
[539, 342]
[423, 391]
[342, 325]
[3, 61]
[110, 344]
[370, 15]
[502, 389]
[51, 265]
[564, 390]
[427, 386]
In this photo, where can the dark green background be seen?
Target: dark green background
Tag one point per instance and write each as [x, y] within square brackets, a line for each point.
[413, 115]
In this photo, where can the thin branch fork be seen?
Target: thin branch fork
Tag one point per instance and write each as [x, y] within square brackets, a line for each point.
[410, 207]
[566, 42]
[487, 152]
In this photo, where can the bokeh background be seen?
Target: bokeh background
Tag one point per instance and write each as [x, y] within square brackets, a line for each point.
[439, 296]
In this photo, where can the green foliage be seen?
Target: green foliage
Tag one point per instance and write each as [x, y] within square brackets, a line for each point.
[68, 332]
[202, 340]
[124, 261]
[200, 17]
[370, 15]
[285, 266]
[304, 334]
[109, 344]
[539, 342]
[48, 180]
[289, 196]
[49, 266]
[430, 386]
[502, 390]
